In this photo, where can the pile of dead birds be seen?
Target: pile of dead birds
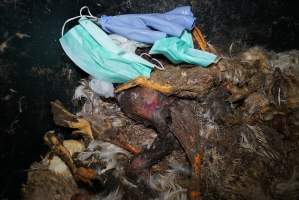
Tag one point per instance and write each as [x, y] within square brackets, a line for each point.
[230, 131]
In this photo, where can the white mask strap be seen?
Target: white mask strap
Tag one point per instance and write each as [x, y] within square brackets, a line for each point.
[160, 66]
[90, 16]
[86, 7]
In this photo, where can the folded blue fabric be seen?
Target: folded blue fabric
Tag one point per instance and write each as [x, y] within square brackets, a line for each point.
[149, 28]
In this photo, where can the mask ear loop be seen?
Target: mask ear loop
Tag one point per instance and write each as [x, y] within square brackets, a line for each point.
[90, 16]
[160, 66]
[86, 7]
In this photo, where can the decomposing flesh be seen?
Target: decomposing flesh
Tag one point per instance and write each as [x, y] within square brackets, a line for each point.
[234, 124]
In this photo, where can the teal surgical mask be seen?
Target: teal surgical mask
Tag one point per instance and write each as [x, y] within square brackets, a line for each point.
[94, 52]
[181, 49]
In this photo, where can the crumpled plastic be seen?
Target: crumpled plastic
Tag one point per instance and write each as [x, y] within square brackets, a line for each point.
[94, 52]
[181, 49]
[149, 28]
[129, 46]
[101, 88]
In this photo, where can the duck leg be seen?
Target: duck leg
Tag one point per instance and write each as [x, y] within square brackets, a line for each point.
[82, 174]
[64, 118]
[199, 39]
[144, 82]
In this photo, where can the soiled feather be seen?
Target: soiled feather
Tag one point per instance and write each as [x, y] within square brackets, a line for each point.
[114, 195]
[289, 187]
[48, 185]
[287, 61]
[167, 186]
[104, 152]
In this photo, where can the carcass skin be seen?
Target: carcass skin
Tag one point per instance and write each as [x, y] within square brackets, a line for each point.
[154, 108]
[151, 108]
[172, 118]
[242, 93]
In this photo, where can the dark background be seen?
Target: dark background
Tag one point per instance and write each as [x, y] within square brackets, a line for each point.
[34, 69]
